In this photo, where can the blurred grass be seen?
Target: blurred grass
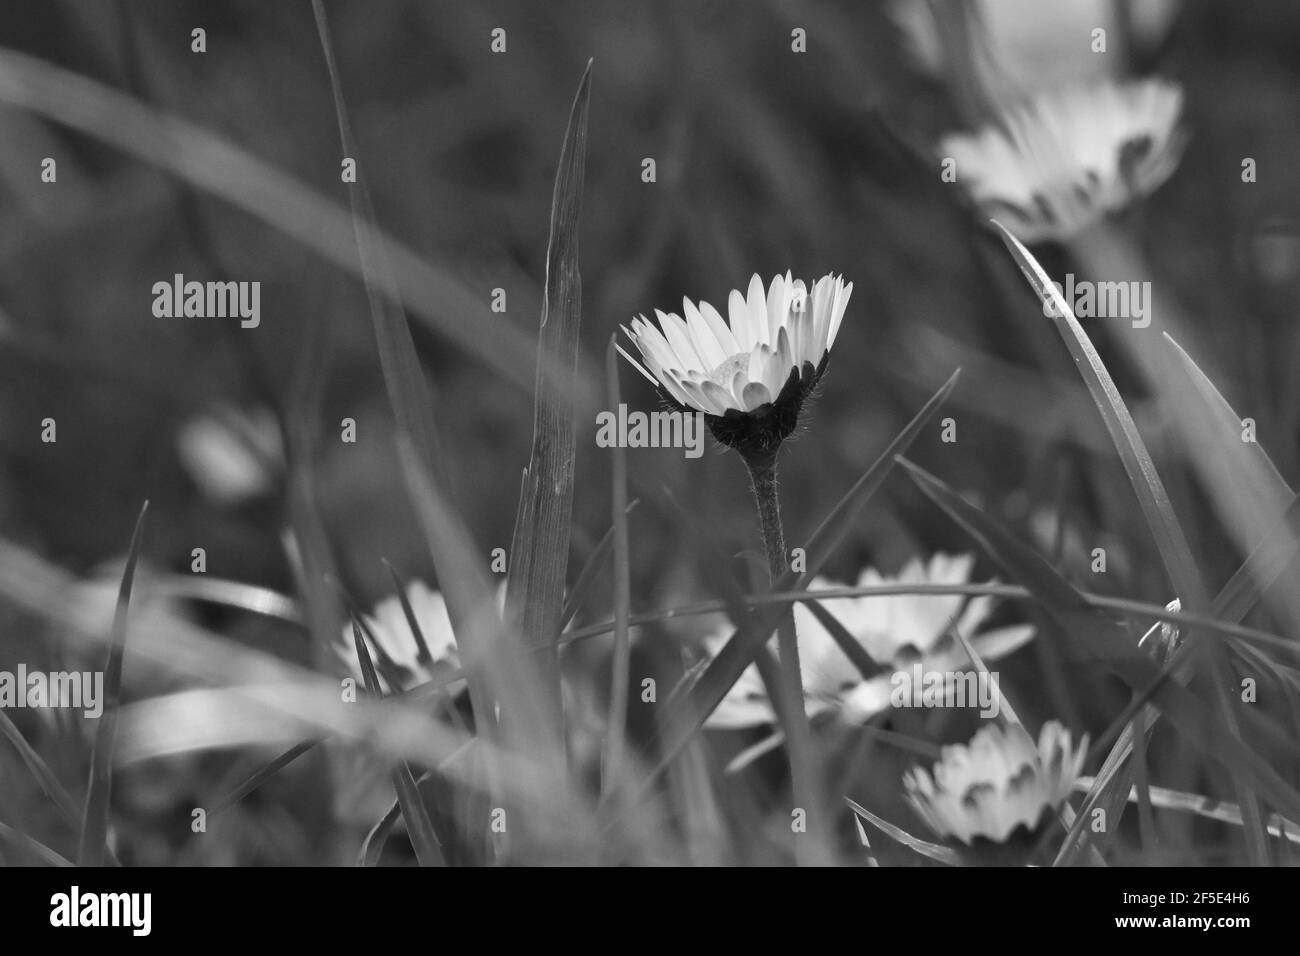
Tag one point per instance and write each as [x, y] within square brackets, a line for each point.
[766, 160]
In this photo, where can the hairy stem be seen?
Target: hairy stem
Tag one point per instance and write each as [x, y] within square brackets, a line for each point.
[762, 478]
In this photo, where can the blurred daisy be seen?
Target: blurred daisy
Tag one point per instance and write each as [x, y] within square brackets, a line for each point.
[896, 631]
[1014, 47]
[997, 783]
[232, 455]
[1056, 165]
[751, 374]
[408, 660]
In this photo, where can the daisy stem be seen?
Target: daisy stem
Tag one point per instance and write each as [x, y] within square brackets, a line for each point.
[762, 479]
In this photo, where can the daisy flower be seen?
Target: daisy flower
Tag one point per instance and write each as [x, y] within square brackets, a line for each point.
[894, 630]
[1014, 47]
[1056, 165]
[999, 782]
[411, 662]
[749, 374]
[749, 377]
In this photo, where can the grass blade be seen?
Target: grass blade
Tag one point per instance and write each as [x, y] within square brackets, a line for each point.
[616, 728]
[539, 551]
[40, 770]
[1152, 497]
[32, 845]
[683, 718]
[427, 848]
[372, 847]
[1204, 807]
[417, 635]
[261, 775]
[1271, 485]
[1103, 640]
[933, 851]
[586, 580]
[94, 826]
[224, 170]
[408, 392]
[1150, 490]
[1259, 572]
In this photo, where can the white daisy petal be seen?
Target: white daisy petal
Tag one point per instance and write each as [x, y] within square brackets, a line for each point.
[706, 343]
[740, 325]
[700, 399]
[680, 340]
[778, 306]
[720, 329]
[756, 310]
[755, 395]
[841, 304]
[676, 387]
[719, 396]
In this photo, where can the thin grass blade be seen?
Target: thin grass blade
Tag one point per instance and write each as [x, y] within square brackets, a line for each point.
[1103, 640]
[428, 851]
[933, 851]
[586, 580]
[94, 826]
[41, 771]
[616, 726]
[261, 775]
[683, 718]
[32, 845]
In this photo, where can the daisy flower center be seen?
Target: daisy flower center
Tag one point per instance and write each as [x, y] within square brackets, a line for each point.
[725, 372]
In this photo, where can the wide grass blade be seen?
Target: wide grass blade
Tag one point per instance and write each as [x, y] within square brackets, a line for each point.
[408, 392]
[502, 674]
[94, 826]
[428, 851]
[1277, 493]
[1253, 494]
[539, 552]
[1170, 540]
[1152, 497]
[1270, 557]
[219, 167]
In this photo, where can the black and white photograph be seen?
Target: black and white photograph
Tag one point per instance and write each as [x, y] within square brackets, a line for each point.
[737, 434]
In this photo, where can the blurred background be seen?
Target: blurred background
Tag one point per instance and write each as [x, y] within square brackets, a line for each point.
[766, 160]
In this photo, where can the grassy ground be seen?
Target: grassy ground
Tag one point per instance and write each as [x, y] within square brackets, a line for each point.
[765, 160]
